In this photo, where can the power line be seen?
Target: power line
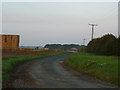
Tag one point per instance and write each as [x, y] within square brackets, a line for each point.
[92, 26]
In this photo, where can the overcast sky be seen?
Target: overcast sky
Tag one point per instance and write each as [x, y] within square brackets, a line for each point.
[40, 23]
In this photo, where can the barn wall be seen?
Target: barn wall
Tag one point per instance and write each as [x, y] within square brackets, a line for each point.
[9, 42]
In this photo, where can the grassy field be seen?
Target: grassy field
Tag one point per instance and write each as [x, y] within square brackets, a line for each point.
[101, 67]
[9, 62]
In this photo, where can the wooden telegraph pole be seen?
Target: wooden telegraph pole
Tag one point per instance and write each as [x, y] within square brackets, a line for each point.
[92, 25]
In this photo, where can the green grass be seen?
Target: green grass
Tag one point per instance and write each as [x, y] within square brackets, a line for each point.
[101, 67]
[9, 63]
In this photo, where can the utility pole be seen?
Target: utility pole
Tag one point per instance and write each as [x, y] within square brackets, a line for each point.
[92, 25]
[84, 41]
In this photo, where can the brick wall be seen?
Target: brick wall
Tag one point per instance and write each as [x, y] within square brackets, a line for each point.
[9, 42]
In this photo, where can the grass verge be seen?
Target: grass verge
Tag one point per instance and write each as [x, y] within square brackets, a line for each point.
[101, 67]
[10, 62]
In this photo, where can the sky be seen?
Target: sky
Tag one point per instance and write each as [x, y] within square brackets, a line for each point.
[41, 23]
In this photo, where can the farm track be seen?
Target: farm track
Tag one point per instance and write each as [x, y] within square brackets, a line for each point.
[52, 73]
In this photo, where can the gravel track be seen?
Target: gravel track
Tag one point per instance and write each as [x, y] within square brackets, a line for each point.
[52, 73]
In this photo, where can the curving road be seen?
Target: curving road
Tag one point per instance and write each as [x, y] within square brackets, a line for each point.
[50, 73]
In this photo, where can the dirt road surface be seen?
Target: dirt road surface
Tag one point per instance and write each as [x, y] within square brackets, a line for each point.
[51, 73]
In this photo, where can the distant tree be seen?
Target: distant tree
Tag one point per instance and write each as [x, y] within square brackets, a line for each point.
[59, 46]
[37, 48]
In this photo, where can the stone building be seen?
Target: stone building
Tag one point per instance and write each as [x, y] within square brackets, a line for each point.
[9, 42]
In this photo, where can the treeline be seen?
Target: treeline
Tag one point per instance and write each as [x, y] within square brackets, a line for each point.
[106, 45]
[64, 47]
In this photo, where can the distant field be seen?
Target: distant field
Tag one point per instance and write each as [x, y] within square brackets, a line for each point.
[6, 53]
[10, 62]
[101, 67]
